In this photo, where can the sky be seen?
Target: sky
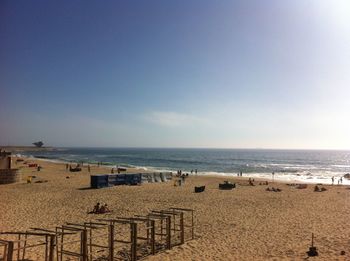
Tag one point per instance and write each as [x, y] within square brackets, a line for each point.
[187, 73]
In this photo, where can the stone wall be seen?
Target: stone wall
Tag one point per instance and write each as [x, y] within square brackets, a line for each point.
[8, 176]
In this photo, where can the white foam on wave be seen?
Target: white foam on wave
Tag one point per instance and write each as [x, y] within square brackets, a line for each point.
[305, 177]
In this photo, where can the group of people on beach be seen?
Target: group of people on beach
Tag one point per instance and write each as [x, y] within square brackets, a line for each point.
[100, 209]
[340, 180]
[118, 170]
[182, 177]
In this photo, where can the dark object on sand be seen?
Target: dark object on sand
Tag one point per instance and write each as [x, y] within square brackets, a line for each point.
[318, 189]
[100, 209]
[301, 186]
[199, 189]
[274, 189]
[347, 176]
[32, 165]
[41, 181]
[38, 144]
[76, 169]
[342, 253]
[121, 169]
[312, 250]
[264, 183]
[227, 185]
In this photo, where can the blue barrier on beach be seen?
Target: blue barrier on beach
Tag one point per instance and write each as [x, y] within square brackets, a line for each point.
[108, 180]
[112, 180]
[120, 179]
[99, 181]
[133, 179]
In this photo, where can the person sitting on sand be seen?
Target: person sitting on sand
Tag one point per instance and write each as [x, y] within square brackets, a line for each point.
[318, 189]
[104, 209]
[96, 208]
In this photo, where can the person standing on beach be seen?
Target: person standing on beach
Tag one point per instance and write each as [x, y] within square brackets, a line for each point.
[332, 180]
[195, 171]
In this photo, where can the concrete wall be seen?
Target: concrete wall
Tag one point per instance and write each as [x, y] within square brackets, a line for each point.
[8, 176]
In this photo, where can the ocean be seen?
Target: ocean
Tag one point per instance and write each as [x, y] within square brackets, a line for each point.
[311, 166]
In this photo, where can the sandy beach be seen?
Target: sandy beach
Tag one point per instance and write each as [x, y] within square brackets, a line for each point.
[247, 223]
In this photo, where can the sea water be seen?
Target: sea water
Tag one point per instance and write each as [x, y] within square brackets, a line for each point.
[312, 166]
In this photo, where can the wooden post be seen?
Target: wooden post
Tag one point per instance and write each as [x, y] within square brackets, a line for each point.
[62, 244]
[46, 248]
[24, 247]
[18, 246]
[153, 232]
[182, 228]
[168, 232]
[111, 242]
[174, 221]
[52, 248]
[84, 245]
[161, 229]
[192, 225]
[147, 230]
[133, 241]
[10, 251]
[90, 240]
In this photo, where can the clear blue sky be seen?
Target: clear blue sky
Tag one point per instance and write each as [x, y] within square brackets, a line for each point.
[246, 74]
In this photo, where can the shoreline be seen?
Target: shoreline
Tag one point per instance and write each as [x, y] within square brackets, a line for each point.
[281, 178]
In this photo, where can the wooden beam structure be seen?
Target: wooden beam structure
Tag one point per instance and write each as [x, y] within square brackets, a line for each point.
[143, 235]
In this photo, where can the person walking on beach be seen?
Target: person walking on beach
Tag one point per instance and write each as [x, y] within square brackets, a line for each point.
[195, 171]
[341, 180]
[332, 180]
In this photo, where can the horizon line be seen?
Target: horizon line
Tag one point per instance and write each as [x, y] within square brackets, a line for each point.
[165, 147]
